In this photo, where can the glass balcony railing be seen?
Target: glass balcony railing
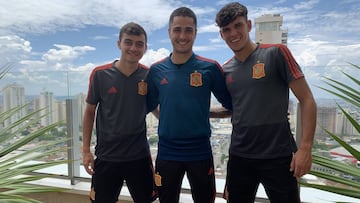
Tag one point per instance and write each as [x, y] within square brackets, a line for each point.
[63, 94]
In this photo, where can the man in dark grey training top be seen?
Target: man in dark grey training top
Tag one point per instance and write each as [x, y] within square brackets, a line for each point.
[117, 98]
[262, 148]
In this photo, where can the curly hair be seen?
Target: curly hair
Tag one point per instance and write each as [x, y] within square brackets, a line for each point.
[229, 13]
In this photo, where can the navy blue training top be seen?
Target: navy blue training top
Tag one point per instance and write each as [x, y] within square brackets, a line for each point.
[184, 93]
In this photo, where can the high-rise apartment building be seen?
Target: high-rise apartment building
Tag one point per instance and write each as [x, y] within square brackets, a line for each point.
[59, 111]
[326, 118]
[13, 96]
[46, 102]
[343, 126]
[81, 102]
[268, 29]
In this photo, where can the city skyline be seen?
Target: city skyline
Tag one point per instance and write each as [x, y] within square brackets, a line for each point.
[329, 114]
[30, 96]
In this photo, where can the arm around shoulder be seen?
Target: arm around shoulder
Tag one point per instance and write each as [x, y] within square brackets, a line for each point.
[219, 112]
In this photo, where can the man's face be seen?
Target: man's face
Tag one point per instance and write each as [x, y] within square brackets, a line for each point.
[132, 47]
[182, 33]
[236, 33]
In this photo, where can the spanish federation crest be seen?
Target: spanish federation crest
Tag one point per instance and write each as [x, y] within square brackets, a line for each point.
[196, 79]
[258, 70]
[157, 180]
[142, 87]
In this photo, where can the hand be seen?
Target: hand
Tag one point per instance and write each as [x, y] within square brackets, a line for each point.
[88, 161]
[301, 162]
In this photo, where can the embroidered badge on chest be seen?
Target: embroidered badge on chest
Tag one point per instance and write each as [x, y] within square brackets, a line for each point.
[158, 180]
[258, 70]
[229, 79]
[196, 79]
[142, 87]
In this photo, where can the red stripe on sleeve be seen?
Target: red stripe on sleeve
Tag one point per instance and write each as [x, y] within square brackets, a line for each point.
[290, 60]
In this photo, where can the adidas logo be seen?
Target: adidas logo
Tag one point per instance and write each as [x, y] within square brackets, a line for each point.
[163, 81]
[112, 90]
[230, 79]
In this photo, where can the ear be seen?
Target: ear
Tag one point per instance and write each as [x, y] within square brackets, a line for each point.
[119, 44]
[221, 35]
[249, 25]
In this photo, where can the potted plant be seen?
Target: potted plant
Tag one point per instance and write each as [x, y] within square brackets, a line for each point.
[341, 184]
[16, 164]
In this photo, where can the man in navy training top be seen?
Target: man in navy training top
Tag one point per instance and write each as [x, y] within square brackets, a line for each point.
[262, 148]
[181, 84]
[117, 98]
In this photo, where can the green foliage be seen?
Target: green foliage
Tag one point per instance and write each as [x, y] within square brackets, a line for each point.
[339, 170]
[16, 163]
[153, 140]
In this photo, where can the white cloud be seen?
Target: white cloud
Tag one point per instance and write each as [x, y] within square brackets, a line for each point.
[44, 16]
[13, 48]
[210, 47]
[309, 52]
[319, 59]
[152, 56]
[65, 53]
[84, 68]
[208, 28]
[216, 40]
[100, 37]
[306, 5]
[60, 58]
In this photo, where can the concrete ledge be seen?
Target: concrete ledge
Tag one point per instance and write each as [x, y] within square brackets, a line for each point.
[78, 193]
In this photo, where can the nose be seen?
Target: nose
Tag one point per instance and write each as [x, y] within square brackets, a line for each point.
[232, 32]
[133, 47]
[182, 34]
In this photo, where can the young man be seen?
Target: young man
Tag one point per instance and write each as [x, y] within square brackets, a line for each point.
[181, 84]
[262, 148]
[117, 98]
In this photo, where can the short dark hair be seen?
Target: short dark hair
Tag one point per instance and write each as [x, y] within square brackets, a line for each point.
[229, 13]
[132, 29]
[185, 12]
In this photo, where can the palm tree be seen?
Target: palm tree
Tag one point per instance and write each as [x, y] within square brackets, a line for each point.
[16, 164]
[343, 186]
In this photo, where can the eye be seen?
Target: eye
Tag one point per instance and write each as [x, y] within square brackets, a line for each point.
[238, 25]
[128, 42]
[225, 30]
[177, 29]
[188, 30]
[139, 44]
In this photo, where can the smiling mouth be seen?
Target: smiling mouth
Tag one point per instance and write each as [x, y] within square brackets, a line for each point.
[182, 43]
[234, 40]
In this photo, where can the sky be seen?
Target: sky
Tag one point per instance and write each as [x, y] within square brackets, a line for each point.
[54, 45]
